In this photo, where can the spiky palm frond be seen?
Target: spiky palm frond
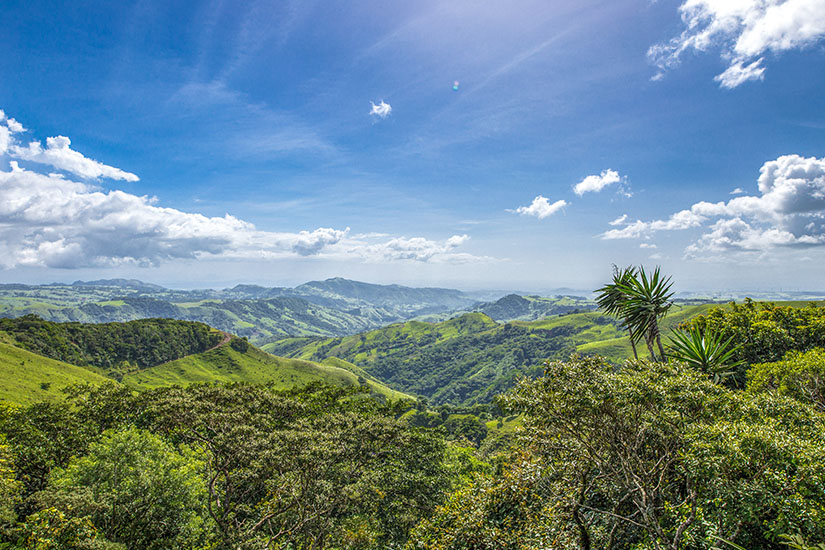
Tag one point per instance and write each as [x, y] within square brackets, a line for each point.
[706, 352]
[647, 300]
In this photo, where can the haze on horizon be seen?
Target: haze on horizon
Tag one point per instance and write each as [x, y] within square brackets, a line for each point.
[466, 144]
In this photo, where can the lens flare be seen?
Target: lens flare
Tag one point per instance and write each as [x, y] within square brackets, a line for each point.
[455, 85]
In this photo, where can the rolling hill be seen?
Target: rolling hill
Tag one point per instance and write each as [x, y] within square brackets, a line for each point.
[26, 377]
[471, 358]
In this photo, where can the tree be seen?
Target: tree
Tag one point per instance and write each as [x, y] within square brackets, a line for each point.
[611, 299]
[647, 300]
[135, 488]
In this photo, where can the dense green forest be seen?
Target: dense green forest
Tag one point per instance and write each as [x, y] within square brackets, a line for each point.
[712, 437]
[115, 348]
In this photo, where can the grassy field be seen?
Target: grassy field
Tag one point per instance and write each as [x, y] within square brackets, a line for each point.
[225, 365]
[26, 377]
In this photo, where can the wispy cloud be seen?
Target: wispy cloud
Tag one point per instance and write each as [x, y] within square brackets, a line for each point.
[382, 110]
[540, 208]
[743, 31]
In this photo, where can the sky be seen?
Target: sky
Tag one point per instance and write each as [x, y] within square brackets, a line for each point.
[514, 145]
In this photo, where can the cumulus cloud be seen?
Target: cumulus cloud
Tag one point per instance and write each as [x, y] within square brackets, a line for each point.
[59, 154]
[790, 211]
[743, 31]
[739, 73]
[382, 110]
[597, 183]
[540, 208]
[8, 126]
[738, 191]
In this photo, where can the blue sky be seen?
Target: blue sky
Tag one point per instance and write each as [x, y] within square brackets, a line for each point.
[208, 143]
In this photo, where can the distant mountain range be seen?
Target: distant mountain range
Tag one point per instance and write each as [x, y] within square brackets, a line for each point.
[334, 307]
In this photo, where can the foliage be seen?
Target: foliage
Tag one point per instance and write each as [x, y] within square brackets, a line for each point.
[505, 512]
[298, 467]
[50, 529]
[646, 300]
[800, 375]
[135, 488]
[706, 352]
[113, 347]
[10, 487]
[764, 332]
[656, 456]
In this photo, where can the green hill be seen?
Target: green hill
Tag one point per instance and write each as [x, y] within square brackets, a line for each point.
[225, 364]
[26, 377]
[471, 358]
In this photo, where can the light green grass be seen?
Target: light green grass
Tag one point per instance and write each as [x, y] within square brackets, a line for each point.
[225, 365]
[26, 378]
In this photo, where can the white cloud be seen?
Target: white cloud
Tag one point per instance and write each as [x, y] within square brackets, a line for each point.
[647, 245]
[597, 183]
[619, 221]
[418, 249]
[382, 110]
[541, 208]
[52, 221]
[738, 191]
[739, 73]
[743, 31]
[789, 212]
[8, 126]
[59, 154]
[48, 220]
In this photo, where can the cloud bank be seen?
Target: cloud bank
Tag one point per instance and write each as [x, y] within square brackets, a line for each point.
[48, 220]
[789, 212]
[744, 31]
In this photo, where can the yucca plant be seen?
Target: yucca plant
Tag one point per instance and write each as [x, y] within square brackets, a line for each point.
[611, 299]
[705, 351]
[647, 300]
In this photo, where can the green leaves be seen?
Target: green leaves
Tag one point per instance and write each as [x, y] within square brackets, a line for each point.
[640, 300]
[705, 351]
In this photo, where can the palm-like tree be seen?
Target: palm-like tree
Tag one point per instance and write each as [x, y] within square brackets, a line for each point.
[647, 300]
[611, 298]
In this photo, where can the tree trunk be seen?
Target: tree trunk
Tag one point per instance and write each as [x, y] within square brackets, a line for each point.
[661, 349]
[632, 343]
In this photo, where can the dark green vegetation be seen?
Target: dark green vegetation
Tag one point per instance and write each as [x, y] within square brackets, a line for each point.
[35, 358]
[218, 467]
[652, 456]
[114, 348]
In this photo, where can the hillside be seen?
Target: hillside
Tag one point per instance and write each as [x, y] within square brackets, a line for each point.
[530, 308]
[26, 377]
[471, 358]
[225, 364]
[114, 348]
[335, 307]
[134, 353]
